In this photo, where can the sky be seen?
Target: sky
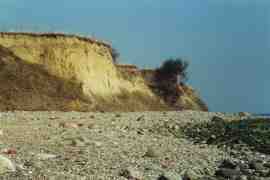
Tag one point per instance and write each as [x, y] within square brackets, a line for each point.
[226, 41]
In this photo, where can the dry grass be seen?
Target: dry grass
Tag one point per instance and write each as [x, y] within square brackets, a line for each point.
[26, 86]
[128, 101]
[57, 35]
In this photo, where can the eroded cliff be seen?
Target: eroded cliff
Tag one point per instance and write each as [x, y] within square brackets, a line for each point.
[67, 72]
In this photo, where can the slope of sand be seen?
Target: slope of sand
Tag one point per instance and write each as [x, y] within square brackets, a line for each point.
[65, 72]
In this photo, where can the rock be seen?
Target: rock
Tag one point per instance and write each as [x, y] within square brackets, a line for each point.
[207, 178]
[254, 178]
[92, 116]
[77, 142]
[151, 153]
[256, 166]
[131, 173]
[118, 115]
[45, 156]
[140, 118]
[228, 173]
[170, 176]
[247, 172]
[90, 126]
[28, 164]
[69, 125]
[243, 177]
[242, 165]
[189, 175]
[217, 119]
[97, 143]
[6, 165]
[80, 124]
[228, 164]
[264, 173]
[53, 117]
[266, 165]
[9, 151]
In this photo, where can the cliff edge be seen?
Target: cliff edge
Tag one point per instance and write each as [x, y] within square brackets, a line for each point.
[68, 72]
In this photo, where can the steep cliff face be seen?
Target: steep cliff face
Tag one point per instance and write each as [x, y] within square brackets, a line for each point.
[68, 72]
[60, 72]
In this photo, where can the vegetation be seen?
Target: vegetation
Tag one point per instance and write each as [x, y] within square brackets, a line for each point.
[167, 78]
[171, 68]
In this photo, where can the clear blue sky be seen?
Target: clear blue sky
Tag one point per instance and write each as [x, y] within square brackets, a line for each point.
[226, 41]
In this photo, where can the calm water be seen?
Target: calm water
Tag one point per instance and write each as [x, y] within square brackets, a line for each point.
[263, 115]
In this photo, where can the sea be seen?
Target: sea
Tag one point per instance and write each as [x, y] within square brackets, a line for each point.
[264, 115]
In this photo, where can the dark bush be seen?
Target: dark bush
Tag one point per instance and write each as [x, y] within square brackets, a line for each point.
[173, 67]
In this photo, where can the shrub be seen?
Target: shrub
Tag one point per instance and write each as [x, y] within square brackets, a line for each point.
[166, 78]
[173, 67]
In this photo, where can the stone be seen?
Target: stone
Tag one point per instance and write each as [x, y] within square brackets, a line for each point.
[90, 126]
[243, 177]
[254, 178]
[170, 176]
[45, 156]
[97, 143]
[9, 151]
[140, 118]
[92, 117]
[118, 115]
[77, 142]
[207, 178]
[28, 164]
[256, 165]
[266, 165]
[53, 117]
[69, 125]
[264, 173]
[248, 172]
[217, 119]
[228, 164]
[228, 173]
[6, 165]
[131, 173]
[151, 153]
[189, 175]
[242, 165]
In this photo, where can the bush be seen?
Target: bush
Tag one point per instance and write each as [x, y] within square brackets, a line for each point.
[173, 67]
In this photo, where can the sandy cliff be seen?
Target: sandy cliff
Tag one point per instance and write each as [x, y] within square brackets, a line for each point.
[67, 72]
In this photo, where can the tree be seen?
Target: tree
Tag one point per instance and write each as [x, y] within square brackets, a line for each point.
[171, 68]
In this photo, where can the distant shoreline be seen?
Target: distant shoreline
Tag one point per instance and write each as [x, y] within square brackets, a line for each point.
[261, 114]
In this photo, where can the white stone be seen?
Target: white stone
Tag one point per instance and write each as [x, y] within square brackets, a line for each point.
[44, 156]
[6, 165]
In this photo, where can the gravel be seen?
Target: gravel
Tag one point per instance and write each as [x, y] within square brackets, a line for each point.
[136, 145]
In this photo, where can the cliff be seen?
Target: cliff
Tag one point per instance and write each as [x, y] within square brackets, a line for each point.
[68, 72]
